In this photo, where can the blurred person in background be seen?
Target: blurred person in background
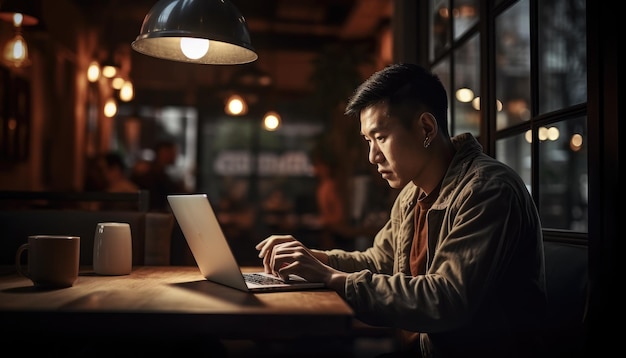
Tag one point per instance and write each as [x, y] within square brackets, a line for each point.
[108, 172]
[157, 179]
[331, 206]
[116, 174]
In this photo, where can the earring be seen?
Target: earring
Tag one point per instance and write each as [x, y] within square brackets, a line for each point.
[426, 142]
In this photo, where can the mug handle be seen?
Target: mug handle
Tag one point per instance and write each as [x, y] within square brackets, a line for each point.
[18, 256]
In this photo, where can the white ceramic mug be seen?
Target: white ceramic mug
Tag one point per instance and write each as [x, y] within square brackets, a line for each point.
[112, 249]
[53, 260]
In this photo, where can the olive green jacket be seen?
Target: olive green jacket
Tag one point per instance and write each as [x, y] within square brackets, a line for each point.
[484, 290]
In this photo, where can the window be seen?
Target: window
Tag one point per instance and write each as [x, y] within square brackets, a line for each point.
[533, 114]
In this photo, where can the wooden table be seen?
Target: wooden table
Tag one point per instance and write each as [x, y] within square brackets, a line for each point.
[167, 301]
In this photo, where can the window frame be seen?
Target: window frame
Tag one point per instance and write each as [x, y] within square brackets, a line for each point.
[484, 28]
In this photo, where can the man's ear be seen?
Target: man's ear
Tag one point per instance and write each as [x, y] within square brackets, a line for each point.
[428, 123]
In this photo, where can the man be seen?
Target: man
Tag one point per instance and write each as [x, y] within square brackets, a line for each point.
[459, 266]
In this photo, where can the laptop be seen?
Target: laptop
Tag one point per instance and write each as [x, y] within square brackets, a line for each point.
[212, 253]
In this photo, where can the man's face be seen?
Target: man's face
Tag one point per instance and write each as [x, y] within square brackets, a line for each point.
[396, 151]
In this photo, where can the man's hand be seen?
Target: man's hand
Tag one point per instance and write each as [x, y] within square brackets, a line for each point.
[283, 255]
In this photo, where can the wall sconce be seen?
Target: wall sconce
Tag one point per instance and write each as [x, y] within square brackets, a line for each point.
[196, 31]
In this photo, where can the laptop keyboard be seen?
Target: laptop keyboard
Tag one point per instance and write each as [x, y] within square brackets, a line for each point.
[261, 279]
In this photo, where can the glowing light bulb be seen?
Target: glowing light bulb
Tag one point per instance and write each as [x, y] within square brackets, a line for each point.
[117, 83]
[109, 71]
[236, 106]
[194, 48]
[127, 91]
[110, 108]
[271, 121]
[93, 72]
[18, 19]
[464, 95]
[16, 50]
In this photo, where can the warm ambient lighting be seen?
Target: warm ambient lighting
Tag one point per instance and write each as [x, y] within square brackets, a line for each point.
[28, 10]
[93, 72]
[117, 83]
[551, 134]
[576, 142]
[110, 68]
[236, 106]
[476, 104]
[109, 71]
[194, 48]
[15, 51]
[271, 121]
[196, 31]
[464, 95]
[127, 91]
[20, 13]
[110, 108]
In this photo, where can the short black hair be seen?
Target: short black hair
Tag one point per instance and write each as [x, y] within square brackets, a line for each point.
[403, 85]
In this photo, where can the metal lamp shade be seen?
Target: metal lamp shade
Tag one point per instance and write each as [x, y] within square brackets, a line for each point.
[219, 21]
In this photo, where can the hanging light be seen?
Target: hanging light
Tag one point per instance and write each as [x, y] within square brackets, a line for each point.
[236, 105]
[28, 10]
[196, 31]
[110, 108]
[127, 92]
[15, 51]
[117, 82]
[109, 69]
[271, 121]
[93, 72]
[20, 13]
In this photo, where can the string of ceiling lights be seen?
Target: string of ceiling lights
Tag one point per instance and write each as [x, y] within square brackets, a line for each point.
[15, 52]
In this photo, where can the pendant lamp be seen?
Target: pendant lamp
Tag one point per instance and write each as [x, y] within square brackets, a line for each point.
[29, 9]
[196, 31]
[20, 13]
